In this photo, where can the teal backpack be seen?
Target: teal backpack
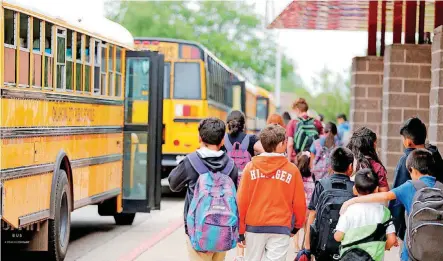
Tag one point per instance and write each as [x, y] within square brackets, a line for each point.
[366, 243]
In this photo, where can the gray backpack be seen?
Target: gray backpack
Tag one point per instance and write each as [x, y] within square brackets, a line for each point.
[425, 223]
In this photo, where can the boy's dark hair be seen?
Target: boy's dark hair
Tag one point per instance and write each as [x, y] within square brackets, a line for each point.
[421, 160]
[341, 158]
[415, 130]
[212, 131]
[303, 164]
[366, 181]
[342, 116]
[321, 116]
[271, 136]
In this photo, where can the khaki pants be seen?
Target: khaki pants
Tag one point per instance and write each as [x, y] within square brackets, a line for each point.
[199, 256]
[266, 247]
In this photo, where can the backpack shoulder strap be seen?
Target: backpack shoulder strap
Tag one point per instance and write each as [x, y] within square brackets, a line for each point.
[438, 185]
[326, 184]
[197, 163]
[386, 215]
[228, 144]
[229, 166]
[245, 142]
[418, 184]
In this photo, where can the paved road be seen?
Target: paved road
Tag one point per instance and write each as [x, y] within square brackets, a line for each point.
[157, 236]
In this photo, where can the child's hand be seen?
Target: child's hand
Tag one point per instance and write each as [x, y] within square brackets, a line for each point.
[242, 244]
[396, 242]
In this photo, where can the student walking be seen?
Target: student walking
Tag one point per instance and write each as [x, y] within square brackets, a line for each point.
[329, 193]
[414, 135]
[365, 230]
[424, 208]
[208, 168]
[321, 150]
[363, 144]
[239, 146]
[304, 165]
[270, 198]
[344, 128]
[301, 131]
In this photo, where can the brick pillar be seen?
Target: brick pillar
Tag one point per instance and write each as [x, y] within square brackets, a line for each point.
[406, 87]
[366, 93]
[435, 129]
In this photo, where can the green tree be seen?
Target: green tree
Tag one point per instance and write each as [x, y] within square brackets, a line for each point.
[228, 28]
[334, 93]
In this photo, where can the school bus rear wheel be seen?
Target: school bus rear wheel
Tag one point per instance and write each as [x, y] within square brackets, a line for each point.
[60, 226]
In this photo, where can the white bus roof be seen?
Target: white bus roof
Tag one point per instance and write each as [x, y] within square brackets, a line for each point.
[60, 13]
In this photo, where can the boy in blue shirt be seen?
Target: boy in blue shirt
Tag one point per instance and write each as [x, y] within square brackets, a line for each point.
[419, 164]
[413, 132]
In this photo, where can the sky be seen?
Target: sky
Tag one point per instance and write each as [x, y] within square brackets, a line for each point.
[311, 50]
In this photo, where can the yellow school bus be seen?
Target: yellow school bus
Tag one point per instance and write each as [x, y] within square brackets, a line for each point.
[197, 85]
[65, 134]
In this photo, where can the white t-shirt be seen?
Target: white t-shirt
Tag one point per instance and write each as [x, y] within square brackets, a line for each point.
[362, 214]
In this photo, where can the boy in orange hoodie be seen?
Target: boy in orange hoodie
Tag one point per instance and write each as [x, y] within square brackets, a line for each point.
[271, 200]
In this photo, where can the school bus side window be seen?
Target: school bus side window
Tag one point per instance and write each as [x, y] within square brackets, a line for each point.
[118, 72]
[69, 61]
[10, 27]
[37, 52]
[78, 63]
[49, 57]
[103, 69]
[24, 54]
[87, 64]
[97, 62]
[110, 70]
[61, 59]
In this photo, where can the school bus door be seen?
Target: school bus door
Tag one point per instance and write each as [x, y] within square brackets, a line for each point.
[143, 131]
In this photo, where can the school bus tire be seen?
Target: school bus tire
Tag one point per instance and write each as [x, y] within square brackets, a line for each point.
[124, 219]
[60, 226]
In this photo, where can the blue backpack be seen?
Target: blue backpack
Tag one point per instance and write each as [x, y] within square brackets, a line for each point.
[212, 219]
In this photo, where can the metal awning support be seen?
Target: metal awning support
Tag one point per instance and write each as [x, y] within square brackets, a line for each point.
[421, 22]
[372, 28]
[383, 28]
[411, 21]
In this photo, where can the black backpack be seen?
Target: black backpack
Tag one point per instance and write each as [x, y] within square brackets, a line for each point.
[306, 133]
[438, 161]
[356, 254]
[335, 193]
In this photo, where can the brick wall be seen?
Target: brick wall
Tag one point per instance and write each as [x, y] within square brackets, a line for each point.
[435, 129]
[366, 93]
[406, 87]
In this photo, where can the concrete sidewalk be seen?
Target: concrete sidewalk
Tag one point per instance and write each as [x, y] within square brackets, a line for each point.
[173, 248]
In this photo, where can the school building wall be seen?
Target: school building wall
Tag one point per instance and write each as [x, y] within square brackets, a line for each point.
[385, 91]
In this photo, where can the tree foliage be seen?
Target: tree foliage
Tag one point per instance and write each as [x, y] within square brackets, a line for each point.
[332, 93]
[230, 29]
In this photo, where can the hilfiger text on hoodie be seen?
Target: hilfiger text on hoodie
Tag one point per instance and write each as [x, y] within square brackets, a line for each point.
[279, 175]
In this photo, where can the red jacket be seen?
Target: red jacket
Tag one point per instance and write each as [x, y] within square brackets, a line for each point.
[271, 198]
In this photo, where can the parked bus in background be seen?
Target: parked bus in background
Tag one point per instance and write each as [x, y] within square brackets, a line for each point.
[198, 85]
[64, 130]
